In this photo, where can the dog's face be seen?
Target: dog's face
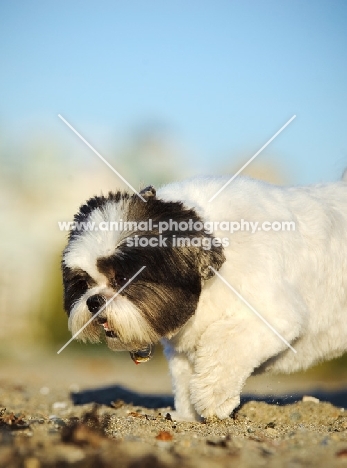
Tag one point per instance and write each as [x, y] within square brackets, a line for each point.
[98, 262]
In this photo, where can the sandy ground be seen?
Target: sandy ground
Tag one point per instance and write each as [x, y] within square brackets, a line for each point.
[98, 411]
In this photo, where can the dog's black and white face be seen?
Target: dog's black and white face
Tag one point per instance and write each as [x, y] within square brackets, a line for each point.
[98, 262]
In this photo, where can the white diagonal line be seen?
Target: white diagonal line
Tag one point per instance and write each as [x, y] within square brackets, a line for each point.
[252, 158]
[99, 155]
[253, 310]
[100, 310]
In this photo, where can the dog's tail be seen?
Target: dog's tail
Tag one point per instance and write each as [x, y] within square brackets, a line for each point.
[344, 175]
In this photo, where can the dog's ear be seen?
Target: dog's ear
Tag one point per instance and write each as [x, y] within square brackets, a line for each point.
[148, 192]
[213, 257]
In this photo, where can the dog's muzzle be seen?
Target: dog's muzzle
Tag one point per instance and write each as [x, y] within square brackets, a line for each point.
[94, 304]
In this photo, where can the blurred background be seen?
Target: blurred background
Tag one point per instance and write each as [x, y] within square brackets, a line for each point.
[163, 91]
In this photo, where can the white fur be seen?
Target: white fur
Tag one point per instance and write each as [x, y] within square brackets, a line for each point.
[130, 324]
[83, 251]
[297, 280]
[133, 331]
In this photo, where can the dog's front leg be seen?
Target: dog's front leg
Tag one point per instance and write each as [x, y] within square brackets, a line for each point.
[226, 356]
[181, 374]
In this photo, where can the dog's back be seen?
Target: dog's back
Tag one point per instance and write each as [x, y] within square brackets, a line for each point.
[297, 277]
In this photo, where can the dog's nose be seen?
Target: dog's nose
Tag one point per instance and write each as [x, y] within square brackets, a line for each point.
[95, 302]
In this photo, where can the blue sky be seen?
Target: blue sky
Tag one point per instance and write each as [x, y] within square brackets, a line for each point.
[221, 77]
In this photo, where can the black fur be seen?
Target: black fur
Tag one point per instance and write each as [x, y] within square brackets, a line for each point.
[167, 291]
[76, 283]
[148, 192]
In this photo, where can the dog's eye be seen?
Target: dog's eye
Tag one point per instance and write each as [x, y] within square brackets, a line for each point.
[84, 283]
[119, 280]
[81, 283]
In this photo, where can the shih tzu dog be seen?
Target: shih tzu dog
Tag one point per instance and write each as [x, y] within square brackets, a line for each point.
[283, 251]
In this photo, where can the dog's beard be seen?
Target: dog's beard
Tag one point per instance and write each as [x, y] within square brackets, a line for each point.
[129, 328]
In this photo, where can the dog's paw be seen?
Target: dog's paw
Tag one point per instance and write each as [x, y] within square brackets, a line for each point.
[224, 410]
[209, 401]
